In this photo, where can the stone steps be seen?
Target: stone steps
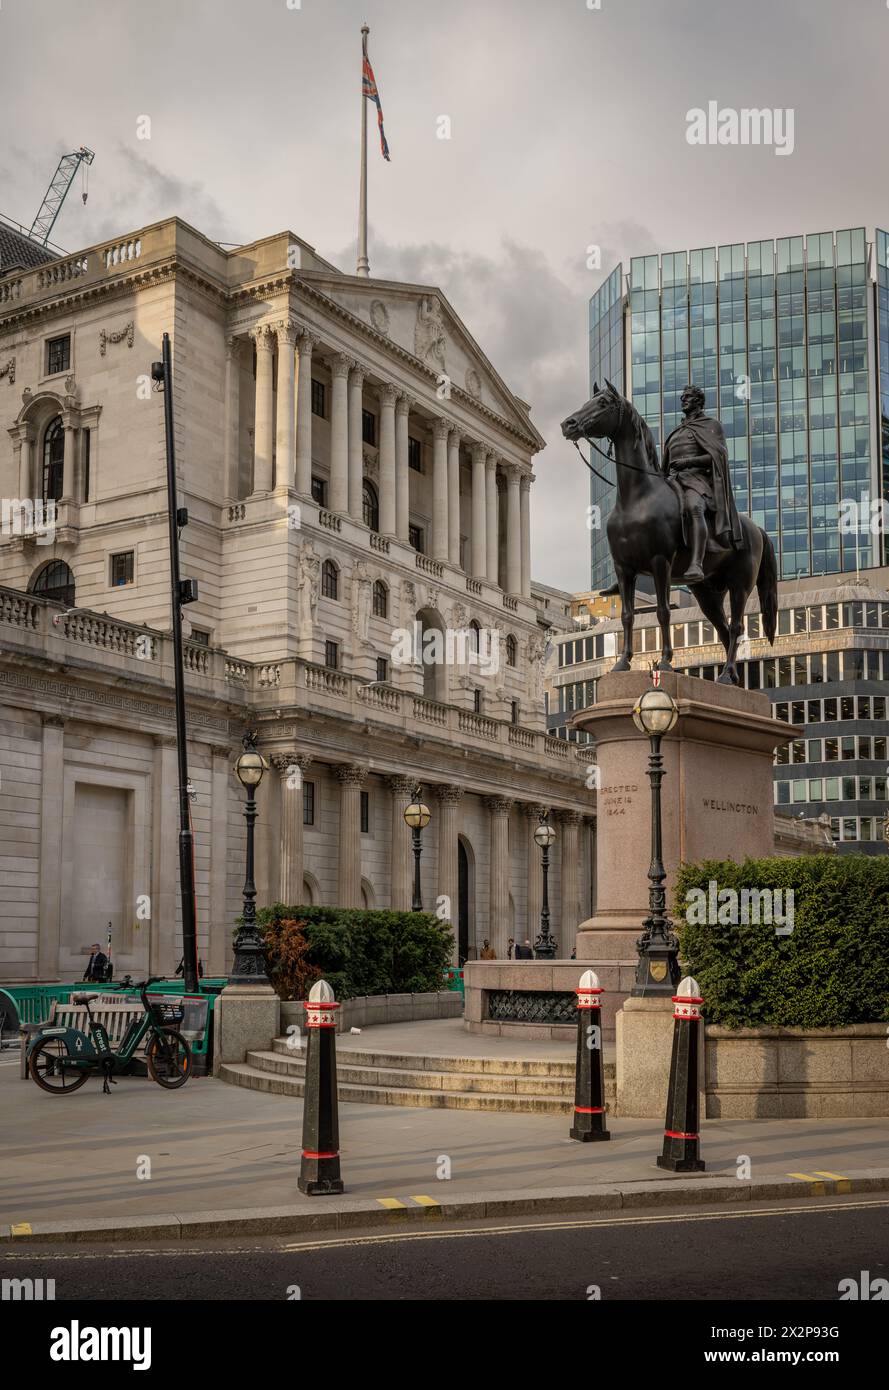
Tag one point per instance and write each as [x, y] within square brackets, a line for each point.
[516, 1085]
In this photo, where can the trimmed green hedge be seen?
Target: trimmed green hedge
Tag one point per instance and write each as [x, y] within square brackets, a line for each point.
[370, 952]
[832, 970]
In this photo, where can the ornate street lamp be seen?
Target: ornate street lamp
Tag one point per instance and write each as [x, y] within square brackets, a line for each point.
[657, 973]
[417, 816]
[248, 967]
[545, 947]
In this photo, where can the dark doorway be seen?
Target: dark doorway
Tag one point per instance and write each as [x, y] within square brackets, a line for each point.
[462, 904]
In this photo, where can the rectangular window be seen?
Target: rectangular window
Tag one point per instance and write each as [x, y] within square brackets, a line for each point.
[332, 655]
[830, 711]
[382, 669]
[319, 491]
[87, 437]
[319, 399]
[199, 637]
[365, 813]
[369, 427]
[58, 355]
[477, 700]
[415, 536]
[122, 569]
[813, 711]
[414, 454]
[514, 712]
[815, 789]
[308, 803]
[832, 789]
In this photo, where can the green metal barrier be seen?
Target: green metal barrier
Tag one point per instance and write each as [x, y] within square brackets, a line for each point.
[30, 1003]
[454, 979]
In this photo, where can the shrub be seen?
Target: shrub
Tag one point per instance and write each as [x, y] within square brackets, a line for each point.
[831, 971]
[287, 958]
[359, 951]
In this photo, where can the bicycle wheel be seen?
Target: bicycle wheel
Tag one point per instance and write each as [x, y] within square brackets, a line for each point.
[169, 1059]
[49, 1064]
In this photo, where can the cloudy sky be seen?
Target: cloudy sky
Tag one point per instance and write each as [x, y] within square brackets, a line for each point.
[568, 129]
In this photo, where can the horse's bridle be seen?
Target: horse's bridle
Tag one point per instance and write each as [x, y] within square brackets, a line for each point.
[609, 457]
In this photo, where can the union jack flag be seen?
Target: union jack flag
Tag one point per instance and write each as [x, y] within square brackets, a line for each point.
[369, 89]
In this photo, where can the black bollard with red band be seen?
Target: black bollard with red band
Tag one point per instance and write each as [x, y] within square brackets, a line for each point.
[589, 1071]
[681, 1138]
[319, 1174]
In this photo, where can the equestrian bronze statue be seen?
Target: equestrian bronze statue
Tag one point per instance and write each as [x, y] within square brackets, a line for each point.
[679, 524]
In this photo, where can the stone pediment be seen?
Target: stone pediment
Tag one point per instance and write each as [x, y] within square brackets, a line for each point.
[419, 320]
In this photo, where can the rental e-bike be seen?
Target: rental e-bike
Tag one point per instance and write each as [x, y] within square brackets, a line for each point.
[60, 1059]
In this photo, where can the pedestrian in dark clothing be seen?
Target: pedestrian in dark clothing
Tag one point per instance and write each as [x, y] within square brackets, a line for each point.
[98, 965]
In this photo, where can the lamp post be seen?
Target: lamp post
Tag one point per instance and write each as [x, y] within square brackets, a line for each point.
[417, 816]
[248, 967]
[657, 973]
[545, 947]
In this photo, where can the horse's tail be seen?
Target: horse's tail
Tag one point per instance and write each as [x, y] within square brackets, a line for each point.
[767, 586]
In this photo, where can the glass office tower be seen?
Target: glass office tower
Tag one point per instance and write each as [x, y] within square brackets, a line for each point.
[789, 341]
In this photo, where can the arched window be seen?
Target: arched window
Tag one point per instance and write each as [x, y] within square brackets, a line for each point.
[53, 460]
[330, 580]
[371, 506]
[474, 636]
[55, 581]
[512, 648]
[381, 600]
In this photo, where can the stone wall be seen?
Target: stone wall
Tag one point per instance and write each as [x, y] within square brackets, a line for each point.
[369, 1010]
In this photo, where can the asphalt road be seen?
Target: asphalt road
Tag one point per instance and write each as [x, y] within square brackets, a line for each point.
[779, 1251]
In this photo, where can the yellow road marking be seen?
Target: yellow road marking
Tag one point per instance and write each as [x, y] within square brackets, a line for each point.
[391, 1202]
[843, 1184]
[22, 1229]
[425, 1201]
[818, 1188]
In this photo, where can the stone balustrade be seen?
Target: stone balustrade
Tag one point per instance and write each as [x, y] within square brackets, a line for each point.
[58, 272]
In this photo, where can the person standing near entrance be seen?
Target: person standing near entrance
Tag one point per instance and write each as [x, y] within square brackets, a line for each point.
[487, 952]
[98, 964]
[524, 952]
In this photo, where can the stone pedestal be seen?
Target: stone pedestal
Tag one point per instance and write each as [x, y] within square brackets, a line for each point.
[644, 1039]
[244, 1017]
[717, 797]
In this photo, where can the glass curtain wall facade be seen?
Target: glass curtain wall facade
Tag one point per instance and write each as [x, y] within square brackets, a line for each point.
[606, 363]
[777, 335]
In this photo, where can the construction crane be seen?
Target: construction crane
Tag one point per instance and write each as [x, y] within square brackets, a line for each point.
[55, 195]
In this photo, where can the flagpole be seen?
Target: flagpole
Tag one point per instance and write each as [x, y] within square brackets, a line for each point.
[363, 267]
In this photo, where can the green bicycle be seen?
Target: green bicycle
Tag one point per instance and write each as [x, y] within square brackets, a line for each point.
[61, 1059]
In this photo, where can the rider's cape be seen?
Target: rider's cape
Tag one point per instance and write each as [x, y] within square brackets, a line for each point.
[709, 435]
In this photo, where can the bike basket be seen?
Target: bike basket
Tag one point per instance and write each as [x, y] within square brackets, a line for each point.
[168, 1012]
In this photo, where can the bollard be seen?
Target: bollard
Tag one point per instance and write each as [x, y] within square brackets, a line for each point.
[319, 1173]
[589, 1071]
[680, 1152]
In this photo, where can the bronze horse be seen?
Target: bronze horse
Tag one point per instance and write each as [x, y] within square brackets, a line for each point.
[645, 536]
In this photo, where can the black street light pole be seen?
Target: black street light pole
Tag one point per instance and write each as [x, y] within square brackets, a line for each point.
[417, 816]
[545, 947]
[182, 591]
[248, 967]
[657, 972]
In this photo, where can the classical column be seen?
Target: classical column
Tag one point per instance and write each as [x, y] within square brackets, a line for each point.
[388, 398]
[68, 494]
[49, 914]
[284, 460]
[351, 779]
[402, 467]
[339, 435]
[570, 915]
[491, 514]
[356, 445]
[513, 530]
[290, 767]
[498, 901]
[526, 534]
[28, 486]
[264, 417]
[400, 865]
[448, 883]
[231, 416]
[454, 498]
[479, 525]
[532, 814]
[304, 416]
[440, 431]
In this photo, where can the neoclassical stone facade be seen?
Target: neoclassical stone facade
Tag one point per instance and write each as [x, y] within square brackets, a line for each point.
[356, 474]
